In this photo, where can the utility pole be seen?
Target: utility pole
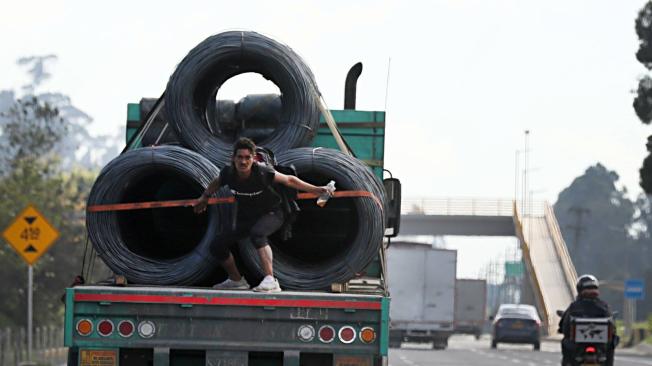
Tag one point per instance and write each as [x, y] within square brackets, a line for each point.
[525, 173]
[579, 226]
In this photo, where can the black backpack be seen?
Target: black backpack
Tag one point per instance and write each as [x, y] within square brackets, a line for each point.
[287, 195]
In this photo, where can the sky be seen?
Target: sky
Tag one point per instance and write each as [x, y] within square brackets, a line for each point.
[465, 80]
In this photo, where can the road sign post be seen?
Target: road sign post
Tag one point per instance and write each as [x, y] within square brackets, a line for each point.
[634, 290]
[30, 234]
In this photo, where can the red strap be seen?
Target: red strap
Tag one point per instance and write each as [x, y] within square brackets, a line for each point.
[214, 201]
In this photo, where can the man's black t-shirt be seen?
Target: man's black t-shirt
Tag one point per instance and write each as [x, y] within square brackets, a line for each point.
[254, 195]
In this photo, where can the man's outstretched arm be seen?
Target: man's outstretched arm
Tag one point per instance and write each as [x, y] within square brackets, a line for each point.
[298, 184]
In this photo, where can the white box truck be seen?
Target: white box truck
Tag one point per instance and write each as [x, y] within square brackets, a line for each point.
[422, 287]
[470, 305]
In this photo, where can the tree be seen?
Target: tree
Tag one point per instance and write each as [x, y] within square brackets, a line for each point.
[596, 218]
[643, 100]
[35, 140]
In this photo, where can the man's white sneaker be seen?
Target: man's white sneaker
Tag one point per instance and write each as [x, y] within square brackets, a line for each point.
[230, 284]
[268, 284]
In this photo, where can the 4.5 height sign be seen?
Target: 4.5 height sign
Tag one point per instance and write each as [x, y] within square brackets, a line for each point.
[30, 234]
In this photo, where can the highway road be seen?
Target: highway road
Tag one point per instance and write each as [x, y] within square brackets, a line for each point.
[466, 351]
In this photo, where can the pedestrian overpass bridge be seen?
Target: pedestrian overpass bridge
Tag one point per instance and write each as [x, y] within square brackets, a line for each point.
[550, 273]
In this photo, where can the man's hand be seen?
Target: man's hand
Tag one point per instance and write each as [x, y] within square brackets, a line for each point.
[323, 190]
[200, 205]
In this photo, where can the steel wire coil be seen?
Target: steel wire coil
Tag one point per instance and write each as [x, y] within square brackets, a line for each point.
[164, 246]
[192, 89]
[330, 244]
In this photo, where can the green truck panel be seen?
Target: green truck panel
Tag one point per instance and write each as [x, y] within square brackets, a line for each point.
[364, 131]
[235, 321]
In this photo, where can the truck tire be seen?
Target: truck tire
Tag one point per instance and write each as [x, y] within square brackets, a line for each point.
[537, 346]
[438, 345]
[494, 344]
[192, 89]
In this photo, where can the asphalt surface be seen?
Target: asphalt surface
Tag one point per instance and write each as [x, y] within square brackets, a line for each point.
[466, 351]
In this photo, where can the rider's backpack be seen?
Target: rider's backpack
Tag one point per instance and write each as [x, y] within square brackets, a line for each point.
[287, 195]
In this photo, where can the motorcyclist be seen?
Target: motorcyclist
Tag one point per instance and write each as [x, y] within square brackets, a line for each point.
[586, 305]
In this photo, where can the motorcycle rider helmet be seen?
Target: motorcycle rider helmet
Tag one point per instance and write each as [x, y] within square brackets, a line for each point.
[585, 282]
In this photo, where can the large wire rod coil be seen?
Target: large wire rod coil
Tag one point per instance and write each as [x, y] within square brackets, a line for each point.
[330, 244]
[163, 246]
[192, 89]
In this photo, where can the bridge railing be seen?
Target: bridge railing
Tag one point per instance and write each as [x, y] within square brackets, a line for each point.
[457, 206]
[539, 295]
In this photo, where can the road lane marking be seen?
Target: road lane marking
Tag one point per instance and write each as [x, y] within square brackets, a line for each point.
[406, 360]
[634, 360]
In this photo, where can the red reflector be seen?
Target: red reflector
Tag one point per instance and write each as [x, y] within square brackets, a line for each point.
[347, 334]
[590, 349]
[105, 328]
[126, 328]
[326, 334]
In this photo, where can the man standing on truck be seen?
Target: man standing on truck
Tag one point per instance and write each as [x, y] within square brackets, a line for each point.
[259, 213]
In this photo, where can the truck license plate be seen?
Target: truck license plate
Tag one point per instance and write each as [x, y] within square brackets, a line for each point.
[91, 357]
[352, 361]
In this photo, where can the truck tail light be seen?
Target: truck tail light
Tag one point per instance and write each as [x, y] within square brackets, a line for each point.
[306, 333]
[367, 335]
[347, 334]
[105, 328]
[326, 334]
[126, 328]
[146, 329]
[84, 327]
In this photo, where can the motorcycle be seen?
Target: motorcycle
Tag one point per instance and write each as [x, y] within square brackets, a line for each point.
[591, 340]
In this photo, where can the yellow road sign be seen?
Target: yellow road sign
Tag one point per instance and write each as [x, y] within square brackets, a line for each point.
[30, 234]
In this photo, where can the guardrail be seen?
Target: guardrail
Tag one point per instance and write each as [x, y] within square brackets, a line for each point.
[47, 348]
[457, 206]
[561, 248]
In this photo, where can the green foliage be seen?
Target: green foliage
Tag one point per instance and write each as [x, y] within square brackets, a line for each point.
[643, 28]
[643, 100]
[607, 234]
[596, 218]
[32, 175]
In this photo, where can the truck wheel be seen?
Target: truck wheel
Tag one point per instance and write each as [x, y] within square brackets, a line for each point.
[438, 344]
[394, 343]
[537, 346]
[494, 344]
